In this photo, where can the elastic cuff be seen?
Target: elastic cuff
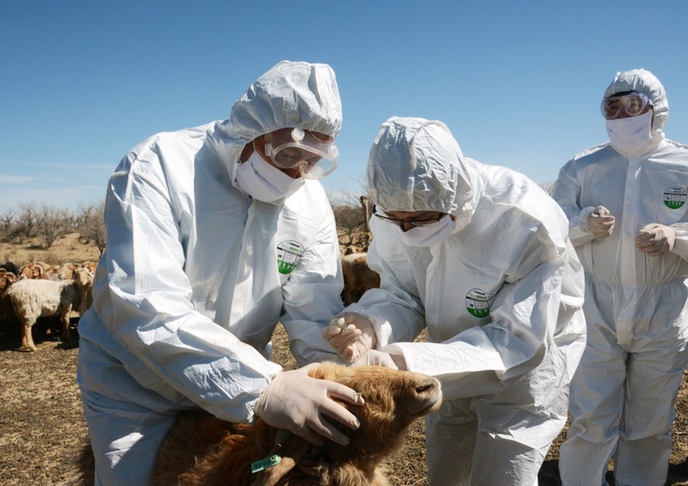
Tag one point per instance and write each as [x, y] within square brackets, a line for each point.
[583, 219]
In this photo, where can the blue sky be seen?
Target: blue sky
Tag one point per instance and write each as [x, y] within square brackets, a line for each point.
[517, 82]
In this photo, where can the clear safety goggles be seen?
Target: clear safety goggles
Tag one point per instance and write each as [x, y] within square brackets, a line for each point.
[289, 148]
[631, 103]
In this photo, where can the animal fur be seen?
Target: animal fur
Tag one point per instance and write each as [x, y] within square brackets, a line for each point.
[34, 298]
[203, 450]
[358, 277]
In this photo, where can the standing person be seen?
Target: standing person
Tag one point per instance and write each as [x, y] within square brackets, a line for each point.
[214, 234]
[626, 204]
[480, 256]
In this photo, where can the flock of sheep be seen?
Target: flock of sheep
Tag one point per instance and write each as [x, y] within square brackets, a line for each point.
[393, 398]
[39, 290]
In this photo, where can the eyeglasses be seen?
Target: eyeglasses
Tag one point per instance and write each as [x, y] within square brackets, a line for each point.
[632, 103]
[289, 148]
[411, 222]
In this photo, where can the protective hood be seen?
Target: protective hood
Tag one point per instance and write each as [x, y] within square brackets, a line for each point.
[645, 82]
[291, 94]
[417, 165]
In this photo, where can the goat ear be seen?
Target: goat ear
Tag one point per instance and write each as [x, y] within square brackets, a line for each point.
[294, 450]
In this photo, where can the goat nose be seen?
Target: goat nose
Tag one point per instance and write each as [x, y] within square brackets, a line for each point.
[428, 385]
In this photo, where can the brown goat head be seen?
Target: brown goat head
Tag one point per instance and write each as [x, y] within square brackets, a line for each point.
[203, 450]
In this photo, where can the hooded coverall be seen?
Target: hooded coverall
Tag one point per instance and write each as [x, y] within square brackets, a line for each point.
[501, 298]
[635, 304]
[196, 276]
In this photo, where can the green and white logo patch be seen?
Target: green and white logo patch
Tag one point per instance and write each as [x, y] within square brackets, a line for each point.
[478, 302]
[675, 197]
[289, 255]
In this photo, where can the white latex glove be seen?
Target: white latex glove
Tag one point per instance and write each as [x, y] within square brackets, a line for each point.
[655, 239]
[373, 357]
[299, 403]
[351, 335]
[601, 222]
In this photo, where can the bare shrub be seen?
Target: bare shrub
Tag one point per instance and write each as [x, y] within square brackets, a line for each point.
[91, 226]
[19, 225]
[51, 224]
[548, 187]
[7, 221]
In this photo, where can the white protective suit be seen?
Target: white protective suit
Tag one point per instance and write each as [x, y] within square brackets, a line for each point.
[635, 304]
[501, 297]
[196, 275]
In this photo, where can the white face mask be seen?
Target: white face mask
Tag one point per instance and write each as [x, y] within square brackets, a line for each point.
[264, 182]
[427, 234]
[629, 135]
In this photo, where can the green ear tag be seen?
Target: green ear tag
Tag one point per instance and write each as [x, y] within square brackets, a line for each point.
[265, 463]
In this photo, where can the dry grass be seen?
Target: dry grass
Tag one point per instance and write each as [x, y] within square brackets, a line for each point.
[42, 424]
[67, 249]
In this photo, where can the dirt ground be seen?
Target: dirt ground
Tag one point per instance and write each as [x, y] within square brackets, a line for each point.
[42, 425]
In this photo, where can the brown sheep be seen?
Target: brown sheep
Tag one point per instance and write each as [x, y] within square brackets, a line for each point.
[66, 271]
[358, 277]
[34, 298]
[6, 280]
[203, 450]
[91, 266]
[32, 270]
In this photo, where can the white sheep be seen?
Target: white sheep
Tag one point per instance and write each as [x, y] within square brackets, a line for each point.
[34, 298]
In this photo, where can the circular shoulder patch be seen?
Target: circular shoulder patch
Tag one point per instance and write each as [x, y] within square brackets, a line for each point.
[675, 197]
[289, 255]
[478, 302]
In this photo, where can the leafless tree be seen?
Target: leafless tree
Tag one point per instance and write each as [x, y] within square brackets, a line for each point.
[548, 187]
[91, 226]
[52, 224]
[19, 225]
[28, 215]
[8, 221]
